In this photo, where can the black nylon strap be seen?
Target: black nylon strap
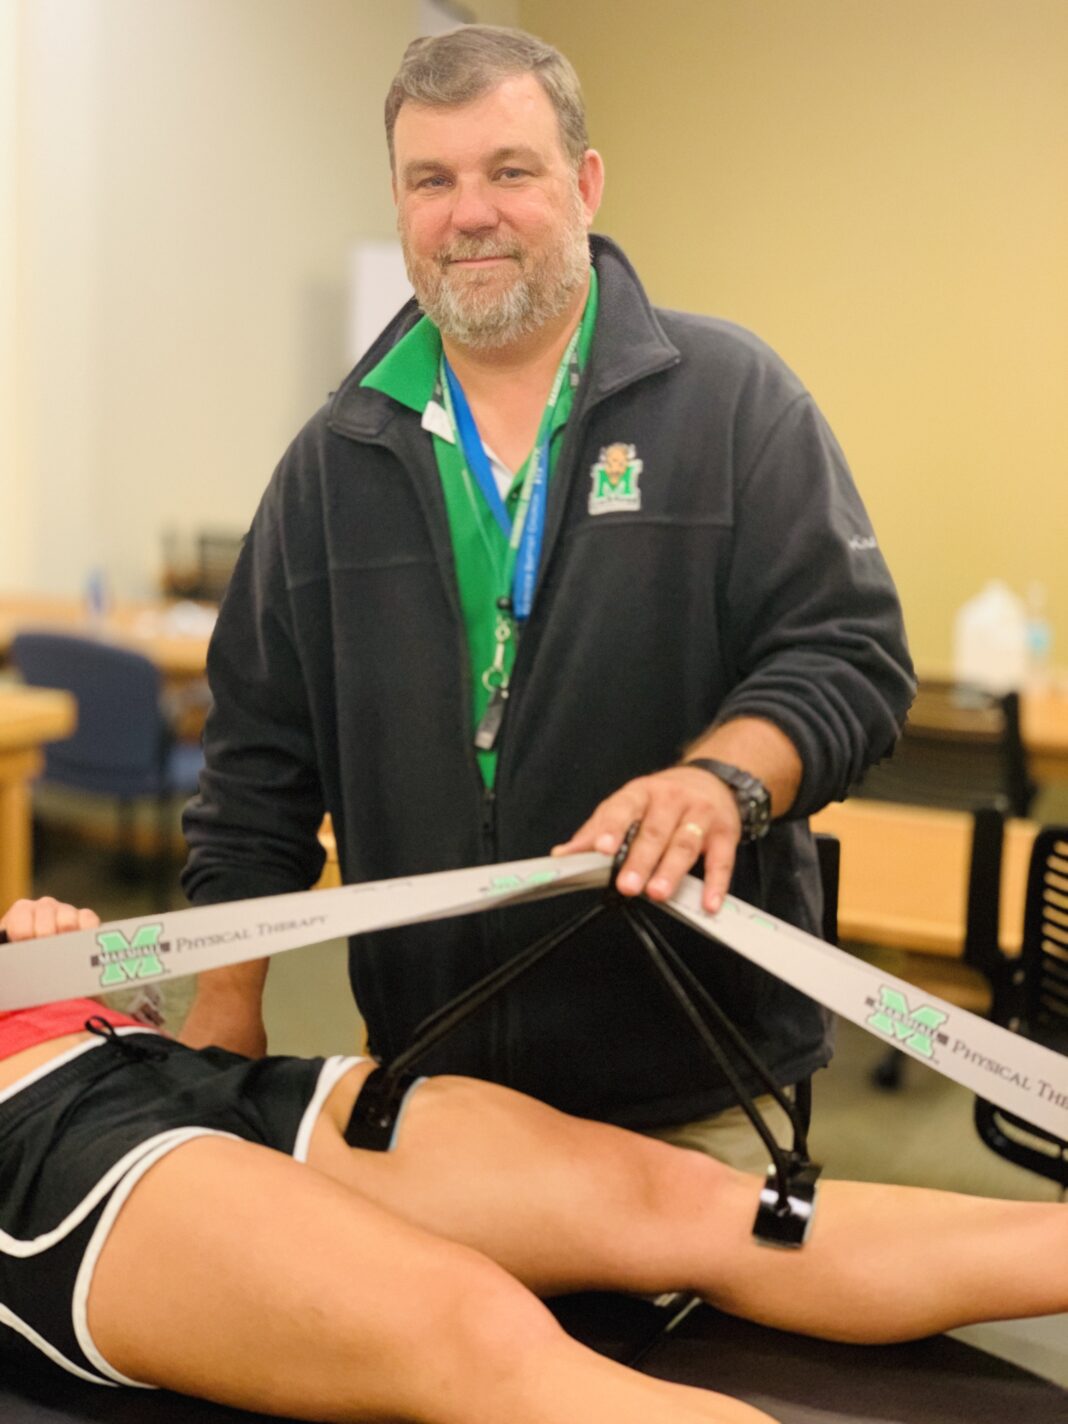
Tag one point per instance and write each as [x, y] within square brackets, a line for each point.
[377, 1108]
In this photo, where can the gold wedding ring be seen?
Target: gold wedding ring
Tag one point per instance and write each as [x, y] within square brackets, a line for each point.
[699, 831]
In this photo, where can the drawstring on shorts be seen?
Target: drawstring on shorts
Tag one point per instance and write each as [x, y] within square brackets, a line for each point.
[139, 1052]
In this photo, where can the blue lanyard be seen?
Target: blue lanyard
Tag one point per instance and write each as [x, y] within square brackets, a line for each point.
[526, 533]
[473, 450]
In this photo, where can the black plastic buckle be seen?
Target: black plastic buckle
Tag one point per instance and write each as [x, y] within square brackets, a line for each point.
[377, 1109]
[784, 1216]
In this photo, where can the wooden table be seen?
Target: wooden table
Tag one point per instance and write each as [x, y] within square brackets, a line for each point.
[1044, 729]
[28, 718]
[150, 627]
[1043, 722]
[904, 875]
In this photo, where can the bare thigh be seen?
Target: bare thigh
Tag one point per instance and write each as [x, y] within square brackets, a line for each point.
[562, 1203]
[238, 1275]
[235, 1274]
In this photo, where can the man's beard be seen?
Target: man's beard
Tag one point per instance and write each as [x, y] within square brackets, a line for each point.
[475, 308]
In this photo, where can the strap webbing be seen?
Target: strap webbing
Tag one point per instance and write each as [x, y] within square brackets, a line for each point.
[1017, 1074]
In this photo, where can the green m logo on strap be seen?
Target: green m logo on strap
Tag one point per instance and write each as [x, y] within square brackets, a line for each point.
[914, 1028]
[122, 960]
[502, 884]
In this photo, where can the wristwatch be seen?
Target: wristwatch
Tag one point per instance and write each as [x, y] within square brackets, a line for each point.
[754, 803]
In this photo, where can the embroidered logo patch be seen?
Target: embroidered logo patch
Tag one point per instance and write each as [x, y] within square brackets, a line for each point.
[614, 480]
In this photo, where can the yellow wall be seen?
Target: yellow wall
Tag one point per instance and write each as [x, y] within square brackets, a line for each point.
[880, 189]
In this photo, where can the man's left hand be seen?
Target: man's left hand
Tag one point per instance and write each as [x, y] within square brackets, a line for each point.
[683, 813]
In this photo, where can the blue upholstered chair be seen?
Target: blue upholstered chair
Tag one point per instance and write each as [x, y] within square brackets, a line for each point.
[124, 746]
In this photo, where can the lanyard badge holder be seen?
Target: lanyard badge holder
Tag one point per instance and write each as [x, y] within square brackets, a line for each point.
[524, 533]
[495, 681]
[787, 1200]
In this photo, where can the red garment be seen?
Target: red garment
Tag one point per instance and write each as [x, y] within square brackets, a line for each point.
[26, 1027]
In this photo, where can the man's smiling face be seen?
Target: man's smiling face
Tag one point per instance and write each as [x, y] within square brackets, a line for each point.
[492, 216]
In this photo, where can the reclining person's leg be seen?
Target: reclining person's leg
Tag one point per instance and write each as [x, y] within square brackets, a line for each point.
[886, 1263]
[237, 1275]
[565, 1204]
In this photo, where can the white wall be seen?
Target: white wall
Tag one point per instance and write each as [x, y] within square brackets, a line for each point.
[191, 175]
[12, 509]
[57, 230]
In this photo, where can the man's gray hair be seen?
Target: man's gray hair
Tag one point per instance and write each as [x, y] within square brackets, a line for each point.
[462, 65]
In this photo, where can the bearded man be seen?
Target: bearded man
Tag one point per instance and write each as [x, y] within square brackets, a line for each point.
[468, 632]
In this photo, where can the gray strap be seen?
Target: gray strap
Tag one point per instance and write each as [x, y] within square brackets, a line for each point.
[1017, 1074]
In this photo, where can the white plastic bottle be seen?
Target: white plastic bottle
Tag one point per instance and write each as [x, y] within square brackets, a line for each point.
[990, 642]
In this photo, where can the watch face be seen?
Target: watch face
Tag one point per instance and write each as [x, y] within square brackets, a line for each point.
[758, 817]
[754, 803]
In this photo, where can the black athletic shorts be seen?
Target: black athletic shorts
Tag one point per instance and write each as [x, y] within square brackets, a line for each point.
[78, 1134]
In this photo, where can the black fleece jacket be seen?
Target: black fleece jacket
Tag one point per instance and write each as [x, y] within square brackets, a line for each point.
[748, 583]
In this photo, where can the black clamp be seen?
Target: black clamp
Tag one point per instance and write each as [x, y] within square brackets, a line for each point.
[784, 1215]
[377, 1109]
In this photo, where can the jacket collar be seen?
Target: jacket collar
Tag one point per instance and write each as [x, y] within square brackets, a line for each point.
[628, 344]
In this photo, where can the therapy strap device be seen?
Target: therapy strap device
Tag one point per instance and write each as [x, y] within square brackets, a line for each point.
[786, 1203]
[1017, 1074]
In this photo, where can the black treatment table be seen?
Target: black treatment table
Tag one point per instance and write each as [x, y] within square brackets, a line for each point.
[797, 1381]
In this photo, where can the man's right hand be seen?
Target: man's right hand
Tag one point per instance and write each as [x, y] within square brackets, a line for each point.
[213, 1024]
[227, 1011]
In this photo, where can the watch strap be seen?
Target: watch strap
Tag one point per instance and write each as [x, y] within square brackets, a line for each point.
[754, 801]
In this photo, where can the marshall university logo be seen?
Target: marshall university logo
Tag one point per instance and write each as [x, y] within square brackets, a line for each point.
[896, 1019]
[502, 884]
[614, 480]
[122, 960]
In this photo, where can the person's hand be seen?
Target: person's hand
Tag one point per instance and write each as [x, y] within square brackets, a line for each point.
[33, 919]
[684, 813]
[230, 1021]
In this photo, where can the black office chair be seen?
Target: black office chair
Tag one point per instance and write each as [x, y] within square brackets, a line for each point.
[1031, 997]
[124, 746]
[981, 948]
[960, 750]
[217, 552]
[203, 570]
[829, 857]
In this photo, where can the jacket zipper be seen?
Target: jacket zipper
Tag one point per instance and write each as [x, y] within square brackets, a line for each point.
[489, 824]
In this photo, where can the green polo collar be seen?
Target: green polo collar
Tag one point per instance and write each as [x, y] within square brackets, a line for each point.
[409, 370]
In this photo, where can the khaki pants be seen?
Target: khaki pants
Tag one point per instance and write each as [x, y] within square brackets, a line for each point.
[730, 1136]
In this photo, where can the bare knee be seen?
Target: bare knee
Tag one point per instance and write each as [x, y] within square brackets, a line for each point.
[480, 1330]
[683, 1185]
[485, 1313]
